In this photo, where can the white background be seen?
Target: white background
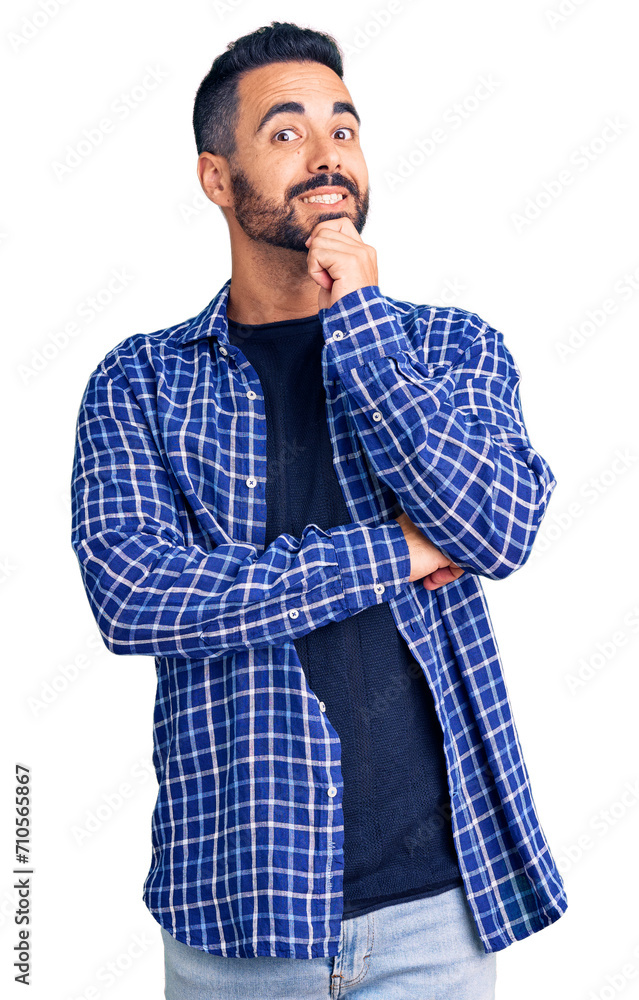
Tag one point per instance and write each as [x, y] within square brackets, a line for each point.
[449, 229]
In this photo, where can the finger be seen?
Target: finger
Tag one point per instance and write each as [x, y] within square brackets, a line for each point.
[335, 240]
[326, 258]
[436, 579]
[342, 225]
[442, 576]
[321, 276]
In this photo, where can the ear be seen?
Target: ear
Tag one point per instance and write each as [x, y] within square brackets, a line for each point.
[215, 179]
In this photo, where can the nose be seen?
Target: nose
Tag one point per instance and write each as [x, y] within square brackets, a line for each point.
[323, 156]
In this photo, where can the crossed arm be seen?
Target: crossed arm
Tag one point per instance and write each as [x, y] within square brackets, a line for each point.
[153, 593]
[447, 436]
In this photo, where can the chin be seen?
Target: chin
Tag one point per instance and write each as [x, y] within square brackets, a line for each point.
[325, 216]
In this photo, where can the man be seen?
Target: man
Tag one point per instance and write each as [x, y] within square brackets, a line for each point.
[289, 500]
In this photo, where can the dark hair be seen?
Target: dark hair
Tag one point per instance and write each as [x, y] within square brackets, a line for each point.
[215, 111]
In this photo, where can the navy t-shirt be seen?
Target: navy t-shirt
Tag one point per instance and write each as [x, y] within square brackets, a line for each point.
[398, 842]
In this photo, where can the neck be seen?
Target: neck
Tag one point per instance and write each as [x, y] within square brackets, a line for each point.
[269, 284]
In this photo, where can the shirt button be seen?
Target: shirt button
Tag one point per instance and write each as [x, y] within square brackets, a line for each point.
[332, 791]
[223, 350]
[377, 415]
[322, 706]
[379, 588]
[338, 334]
[251, 394]
[293, 613]
[251, 482]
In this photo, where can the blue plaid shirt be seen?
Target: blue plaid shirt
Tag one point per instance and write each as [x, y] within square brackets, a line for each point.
[169, 517]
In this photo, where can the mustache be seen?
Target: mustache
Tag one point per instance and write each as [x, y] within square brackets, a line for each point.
[324, 180]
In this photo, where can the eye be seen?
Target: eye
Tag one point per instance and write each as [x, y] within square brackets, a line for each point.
[282, 131]
[345, 128]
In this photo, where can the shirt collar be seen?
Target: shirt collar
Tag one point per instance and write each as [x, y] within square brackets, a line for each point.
[211, 322]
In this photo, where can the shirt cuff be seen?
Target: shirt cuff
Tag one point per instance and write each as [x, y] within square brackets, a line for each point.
[361, 326]
[374, 562]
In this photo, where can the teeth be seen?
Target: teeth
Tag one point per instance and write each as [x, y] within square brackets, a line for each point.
[325, 199]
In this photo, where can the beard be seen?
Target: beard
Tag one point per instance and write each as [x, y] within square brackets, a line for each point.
[268, 221]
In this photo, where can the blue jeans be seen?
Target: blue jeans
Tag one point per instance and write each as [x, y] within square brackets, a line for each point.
[426, 949]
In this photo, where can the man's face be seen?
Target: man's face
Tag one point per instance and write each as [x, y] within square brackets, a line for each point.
[296, 153]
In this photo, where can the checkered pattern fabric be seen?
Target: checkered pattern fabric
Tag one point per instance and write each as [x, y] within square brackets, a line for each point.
[168, 525]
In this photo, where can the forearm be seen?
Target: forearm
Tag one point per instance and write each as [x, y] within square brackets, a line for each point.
[151, 596]
[448, 438]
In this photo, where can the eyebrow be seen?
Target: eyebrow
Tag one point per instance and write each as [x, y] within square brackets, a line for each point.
[339, 107]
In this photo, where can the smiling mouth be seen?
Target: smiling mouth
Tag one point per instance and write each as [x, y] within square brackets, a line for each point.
[324, 199]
